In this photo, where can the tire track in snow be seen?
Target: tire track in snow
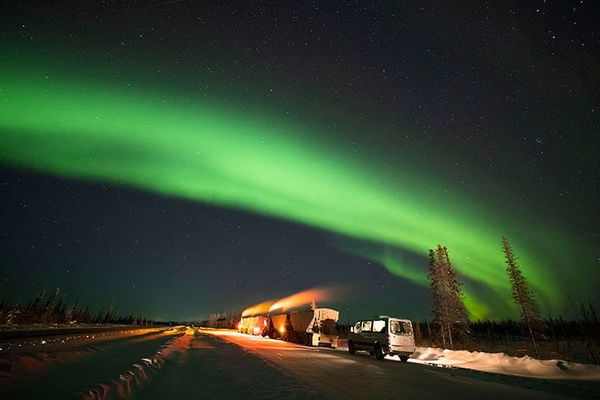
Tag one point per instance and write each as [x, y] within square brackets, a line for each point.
[141, 372]
[38, 356]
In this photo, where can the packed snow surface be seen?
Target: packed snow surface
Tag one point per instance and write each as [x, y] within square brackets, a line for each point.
[503, 364]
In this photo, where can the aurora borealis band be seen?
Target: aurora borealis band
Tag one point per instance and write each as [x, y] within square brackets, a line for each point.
[217, 156]
[149, 137]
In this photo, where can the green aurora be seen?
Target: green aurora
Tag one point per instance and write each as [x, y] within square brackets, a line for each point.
[206, 152]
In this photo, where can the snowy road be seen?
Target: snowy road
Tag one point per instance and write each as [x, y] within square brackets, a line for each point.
[161, 364]
[337, 374]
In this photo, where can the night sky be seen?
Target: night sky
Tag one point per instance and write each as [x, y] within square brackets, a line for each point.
[178, 158]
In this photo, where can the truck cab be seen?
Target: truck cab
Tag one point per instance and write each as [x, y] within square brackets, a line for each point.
[382, 336]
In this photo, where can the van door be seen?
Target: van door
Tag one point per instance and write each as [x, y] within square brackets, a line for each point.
[365, 340]
[375, 331]
[401, 335]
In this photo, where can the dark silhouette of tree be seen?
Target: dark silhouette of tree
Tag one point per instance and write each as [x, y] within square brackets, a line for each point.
[51, 307]
[521, 293]
[38, 300]
[439, 312]
[448, 305]
[458, 312]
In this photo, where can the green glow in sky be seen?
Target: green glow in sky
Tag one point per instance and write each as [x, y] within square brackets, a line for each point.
[205, 152]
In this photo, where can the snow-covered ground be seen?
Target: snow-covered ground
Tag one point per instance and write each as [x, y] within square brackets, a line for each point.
[503, 364]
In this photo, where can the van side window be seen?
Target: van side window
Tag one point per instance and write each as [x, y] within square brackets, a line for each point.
[379, 326]
[366, 326]
[357, 327]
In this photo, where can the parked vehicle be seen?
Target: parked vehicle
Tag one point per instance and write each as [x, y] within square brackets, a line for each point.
[382, 336]
[254, 325]
[312, 326]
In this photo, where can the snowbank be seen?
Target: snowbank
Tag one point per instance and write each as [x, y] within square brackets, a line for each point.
[503, 364]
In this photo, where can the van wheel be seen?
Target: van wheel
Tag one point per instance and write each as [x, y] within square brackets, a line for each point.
[378, 352]
[351, 348]
[404, 358]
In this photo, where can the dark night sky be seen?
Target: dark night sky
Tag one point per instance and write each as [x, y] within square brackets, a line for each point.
[490, 105]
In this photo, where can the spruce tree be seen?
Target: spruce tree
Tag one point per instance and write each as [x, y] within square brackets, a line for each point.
[38, 299]
[521, 293]
[448, 305]
[439, 312]
[458, 312]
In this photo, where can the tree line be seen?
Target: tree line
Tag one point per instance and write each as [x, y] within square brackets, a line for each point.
[228, 320]
[50, 307]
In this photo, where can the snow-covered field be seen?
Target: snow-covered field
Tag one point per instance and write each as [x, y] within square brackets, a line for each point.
[503, 364]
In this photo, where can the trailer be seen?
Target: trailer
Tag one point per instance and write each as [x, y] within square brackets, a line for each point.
[311, 327]
[254, 325]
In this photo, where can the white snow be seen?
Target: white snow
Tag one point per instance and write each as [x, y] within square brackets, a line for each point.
[503, 364]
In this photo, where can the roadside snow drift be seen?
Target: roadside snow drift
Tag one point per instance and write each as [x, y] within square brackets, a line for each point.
[503, 364]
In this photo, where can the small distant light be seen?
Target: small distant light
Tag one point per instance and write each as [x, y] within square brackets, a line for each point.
[256, 329]
[282, 329]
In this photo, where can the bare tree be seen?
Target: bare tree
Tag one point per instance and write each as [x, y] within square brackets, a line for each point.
[521, 293]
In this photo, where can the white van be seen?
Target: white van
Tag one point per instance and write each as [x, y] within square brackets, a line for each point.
[382, 335]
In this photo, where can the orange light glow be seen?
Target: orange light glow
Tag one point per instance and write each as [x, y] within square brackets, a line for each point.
[282, 329]
[304, 298]
[256, 330]
[257, 309]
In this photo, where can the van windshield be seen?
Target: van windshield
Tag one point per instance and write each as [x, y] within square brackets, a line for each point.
[400, 328]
